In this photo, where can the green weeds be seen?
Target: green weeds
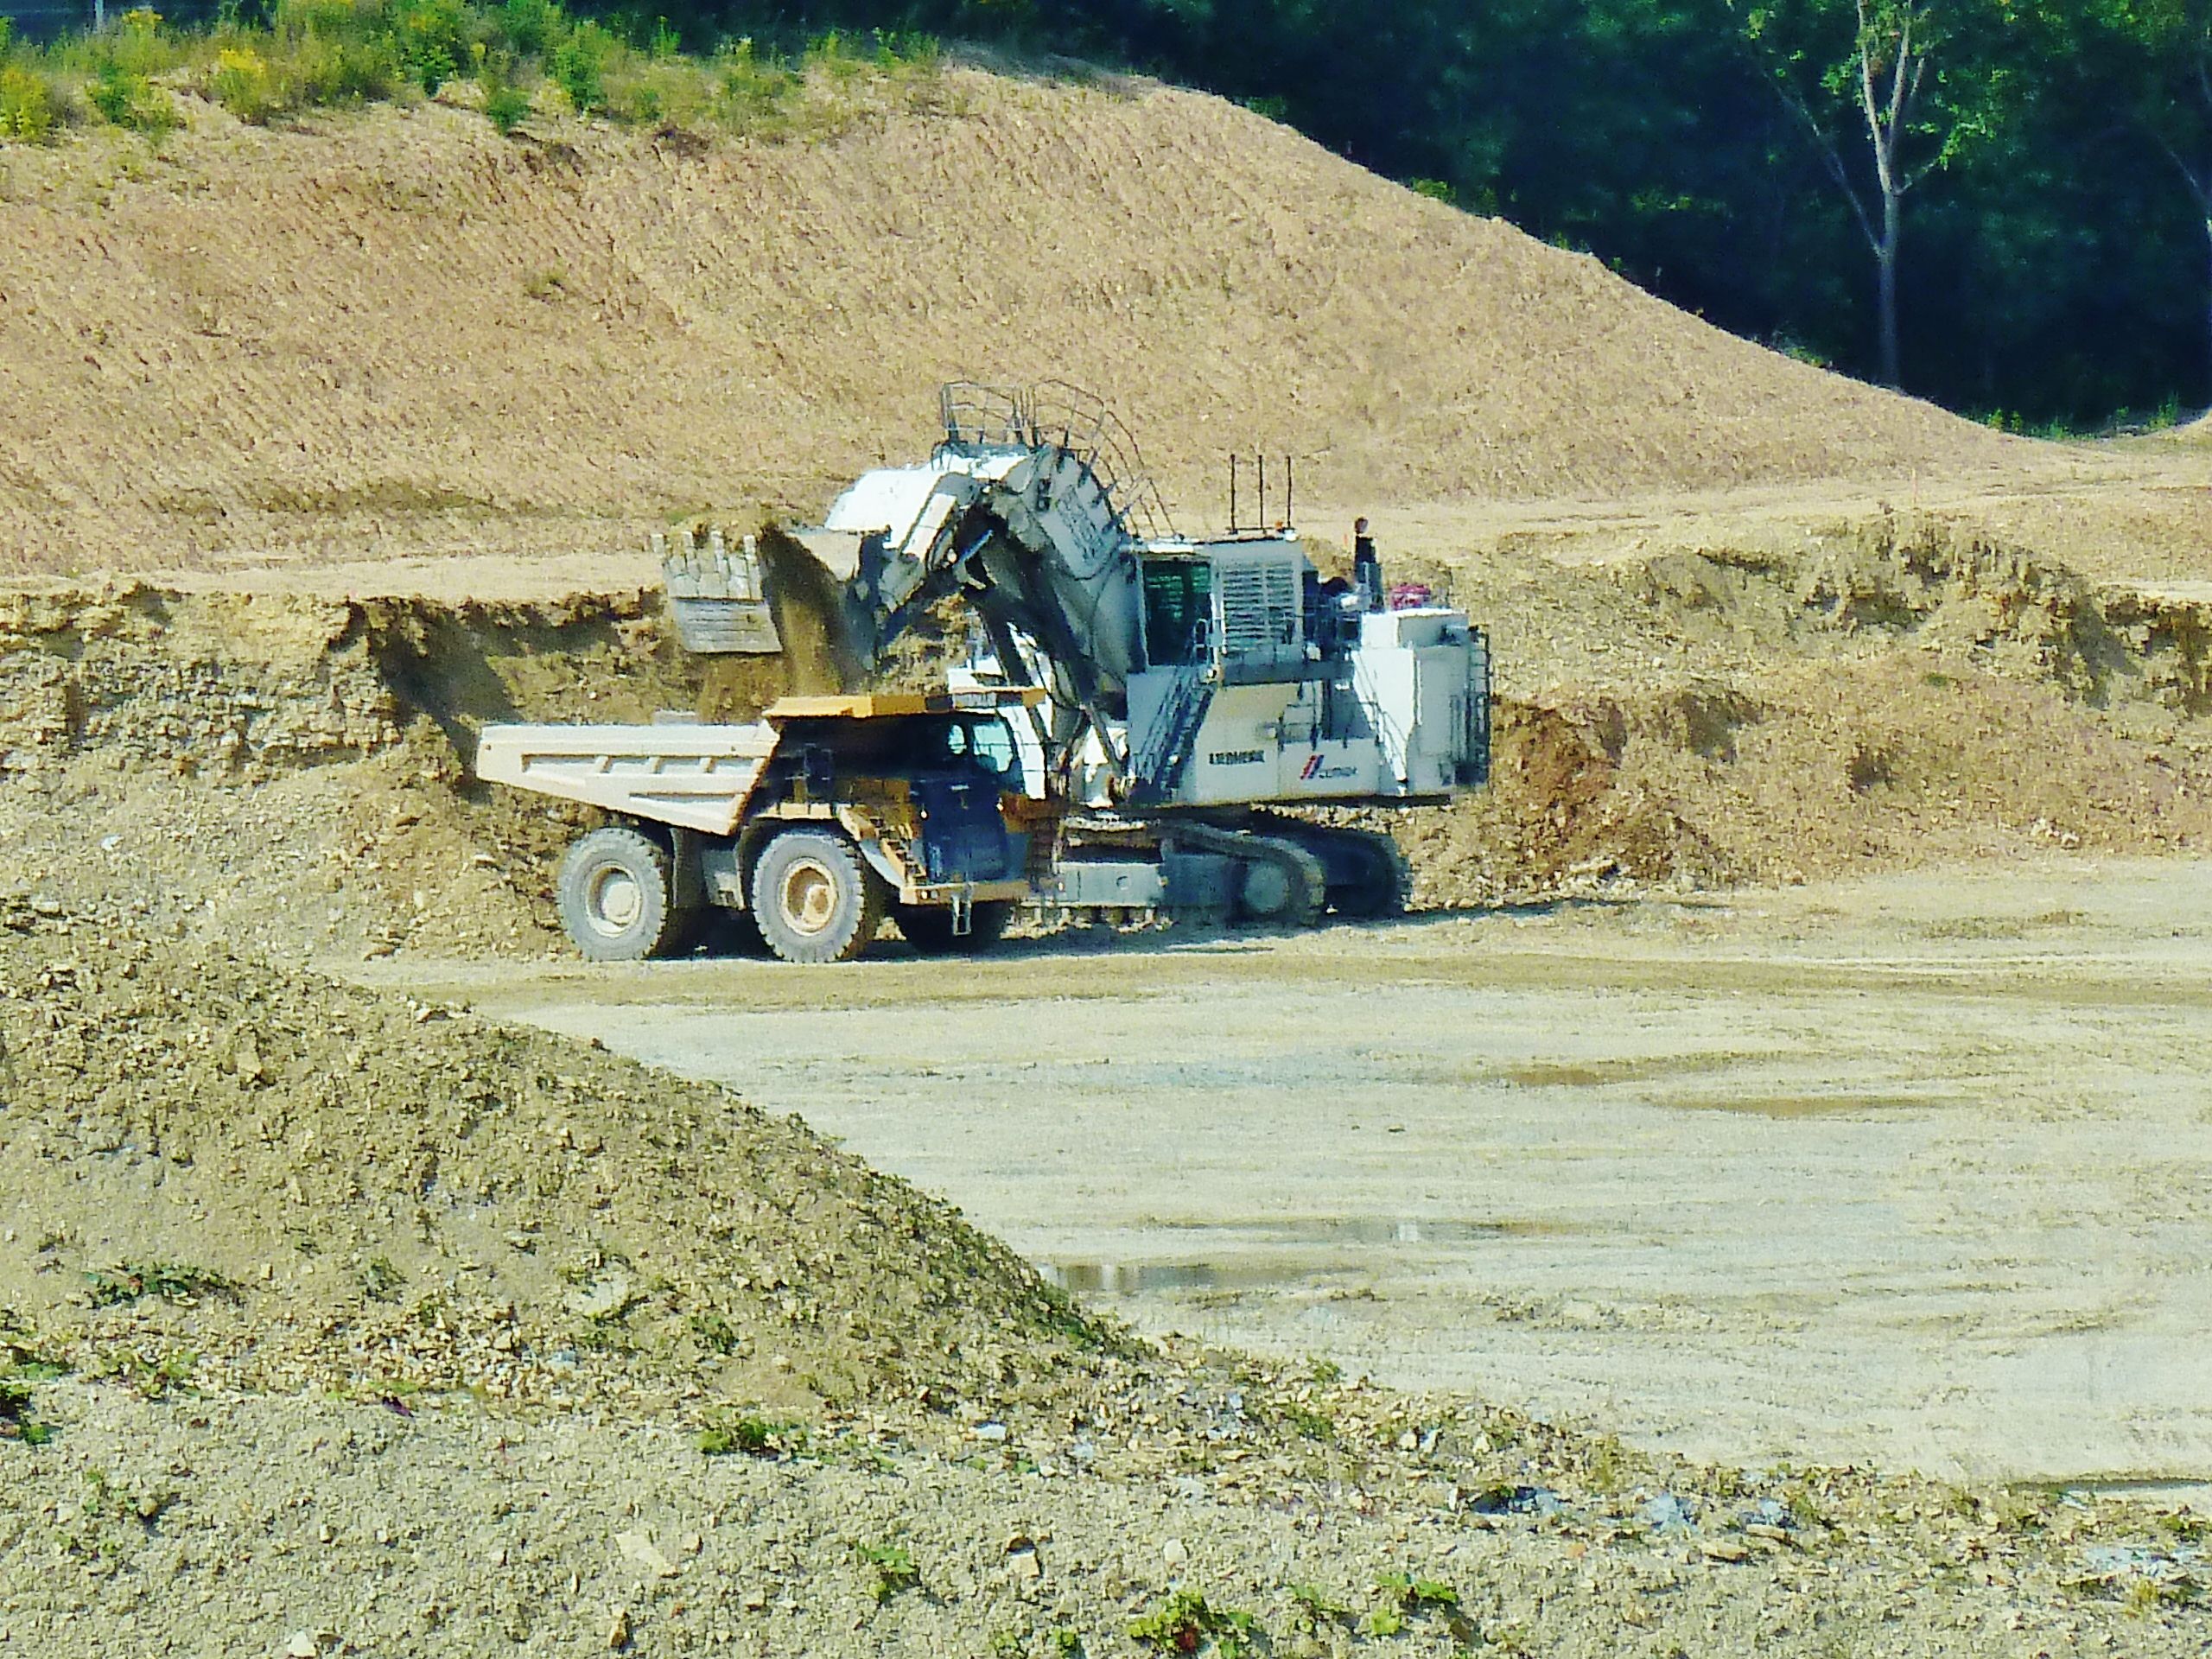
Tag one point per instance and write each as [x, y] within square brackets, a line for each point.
[151, 1375]
[893, 1568]
[1186, 1622]
[1316, 1607]
[18, 1415]
[523, 56]
[380, 1281]
[756, 1437]
[173, 1282]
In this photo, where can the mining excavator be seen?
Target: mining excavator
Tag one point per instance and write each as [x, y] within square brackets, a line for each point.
[1137, 709]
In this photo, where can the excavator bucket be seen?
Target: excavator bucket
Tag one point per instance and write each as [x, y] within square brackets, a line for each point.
[719, 599]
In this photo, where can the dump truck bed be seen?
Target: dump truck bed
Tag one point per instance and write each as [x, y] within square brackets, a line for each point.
[696, 777]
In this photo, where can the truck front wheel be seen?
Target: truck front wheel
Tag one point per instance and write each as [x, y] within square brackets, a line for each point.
[815, 899]
[615, 899]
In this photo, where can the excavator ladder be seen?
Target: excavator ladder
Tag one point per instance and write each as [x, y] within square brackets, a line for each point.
[1158, 766]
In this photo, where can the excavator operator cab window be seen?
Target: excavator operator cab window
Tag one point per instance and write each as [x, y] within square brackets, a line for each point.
[1178, 611]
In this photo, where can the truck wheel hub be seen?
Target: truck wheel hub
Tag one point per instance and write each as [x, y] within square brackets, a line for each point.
[616, 900]
[809, 897]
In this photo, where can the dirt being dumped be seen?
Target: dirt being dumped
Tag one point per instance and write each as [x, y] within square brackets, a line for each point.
[291, 772]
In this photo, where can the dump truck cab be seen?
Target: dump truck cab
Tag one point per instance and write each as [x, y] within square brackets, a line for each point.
[805, 828]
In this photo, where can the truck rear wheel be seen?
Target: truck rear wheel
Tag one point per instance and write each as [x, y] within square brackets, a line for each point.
[928, 928]
[615, 898]
[815, 899]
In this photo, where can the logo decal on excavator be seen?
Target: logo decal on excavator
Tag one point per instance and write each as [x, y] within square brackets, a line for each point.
[1235, 758]
[1314, 770]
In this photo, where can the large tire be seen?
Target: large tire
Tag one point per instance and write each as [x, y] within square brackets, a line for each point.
[815, 899]
[615, 898]
[928, 928]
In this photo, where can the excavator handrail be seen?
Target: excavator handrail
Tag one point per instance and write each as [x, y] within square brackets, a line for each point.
[1079, 421]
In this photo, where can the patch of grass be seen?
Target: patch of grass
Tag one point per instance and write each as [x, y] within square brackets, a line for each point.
[173, 1282]
[1316, 1607]
[18, 1415]
[894, 1568]
[1066, 1642]
[1389, 1619]
[1612, 1466]
[550, 283]
[380, 1281]
[154, 1376]
[1407, 1591]
[714, 1332]
[1186, 1622]
[2185, 1527]
[1314, 1425]
[756, 1437]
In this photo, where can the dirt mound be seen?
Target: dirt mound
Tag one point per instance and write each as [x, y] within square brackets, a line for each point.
[1897, 692]
[303, 1184]
[397, 332]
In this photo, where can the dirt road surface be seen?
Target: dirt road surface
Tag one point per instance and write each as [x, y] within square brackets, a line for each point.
[1917, 1170]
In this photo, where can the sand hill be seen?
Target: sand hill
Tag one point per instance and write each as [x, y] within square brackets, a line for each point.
[397, 332]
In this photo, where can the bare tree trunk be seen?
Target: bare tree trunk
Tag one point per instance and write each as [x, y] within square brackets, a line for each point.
[2207, 387]
[1886, 117]
[1885, 260]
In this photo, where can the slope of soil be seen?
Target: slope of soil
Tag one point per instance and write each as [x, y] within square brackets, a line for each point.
[398, 333]
[302, 1184]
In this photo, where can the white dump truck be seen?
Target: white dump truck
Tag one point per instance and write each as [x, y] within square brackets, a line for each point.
[806, 827]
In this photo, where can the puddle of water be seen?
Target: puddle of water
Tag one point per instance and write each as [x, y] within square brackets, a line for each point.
[1378, 1229]
[1596, 1074]
[1793, 1106]
[1150, 1278]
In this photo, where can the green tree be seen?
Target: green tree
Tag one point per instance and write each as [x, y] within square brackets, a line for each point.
[2158, 54]
[1920, 83]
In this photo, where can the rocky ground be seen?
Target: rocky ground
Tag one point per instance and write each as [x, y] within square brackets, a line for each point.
[343, 1323]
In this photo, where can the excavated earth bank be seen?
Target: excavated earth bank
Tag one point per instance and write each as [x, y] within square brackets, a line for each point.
[289, 772]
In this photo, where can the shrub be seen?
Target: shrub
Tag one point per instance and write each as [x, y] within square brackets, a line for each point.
[244, 84]
[129, 100]
[505, 107]
[431, 39]
[747, 91]
[578, 66]
[325, 71]
[532, 27]
[28, 112]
